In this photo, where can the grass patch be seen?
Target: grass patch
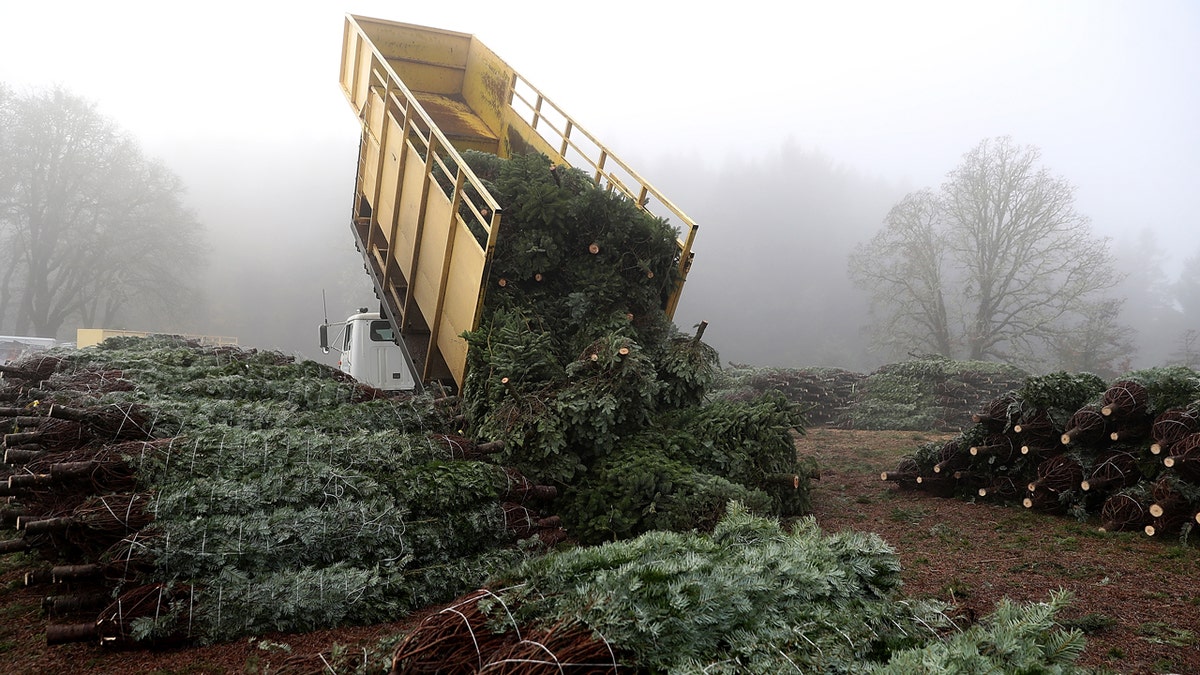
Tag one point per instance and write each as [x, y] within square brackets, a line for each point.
[956, 589]
[911, 515]
[1093, 622]
[949, 536]
[1159, 633]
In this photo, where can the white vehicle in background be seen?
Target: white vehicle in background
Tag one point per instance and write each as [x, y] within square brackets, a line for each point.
[369, 352]
[13, 347]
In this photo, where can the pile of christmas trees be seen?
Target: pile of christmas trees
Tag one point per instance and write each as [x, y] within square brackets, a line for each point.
[197, 493]
[922, 394]
[172, 492]
[1126, 452]
[169, 491]
[823, 394]
[588, 384]
[750, 597]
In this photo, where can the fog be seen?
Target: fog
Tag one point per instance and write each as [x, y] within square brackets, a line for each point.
[786, 137]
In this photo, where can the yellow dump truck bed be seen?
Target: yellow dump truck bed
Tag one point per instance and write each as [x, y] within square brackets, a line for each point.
[425, 224]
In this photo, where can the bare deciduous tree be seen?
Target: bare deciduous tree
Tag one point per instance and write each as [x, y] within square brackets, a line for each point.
[996, 265]
[92, 228]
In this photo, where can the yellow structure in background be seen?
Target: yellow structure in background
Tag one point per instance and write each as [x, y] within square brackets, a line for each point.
[88, 337]
[425, 224]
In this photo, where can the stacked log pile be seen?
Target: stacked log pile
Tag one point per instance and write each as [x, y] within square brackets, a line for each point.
[1125, 453]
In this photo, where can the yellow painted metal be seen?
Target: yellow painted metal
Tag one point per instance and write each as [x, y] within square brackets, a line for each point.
[424, 222]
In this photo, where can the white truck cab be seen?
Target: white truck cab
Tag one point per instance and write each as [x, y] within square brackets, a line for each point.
[370, 353]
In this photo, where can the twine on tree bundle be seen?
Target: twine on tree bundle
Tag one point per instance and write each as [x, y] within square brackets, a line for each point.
[1172, 426]
[1124, 398]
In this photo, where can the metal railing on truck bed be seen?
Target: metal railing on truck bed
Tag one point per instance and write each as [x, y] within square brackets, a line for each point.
[424, 222]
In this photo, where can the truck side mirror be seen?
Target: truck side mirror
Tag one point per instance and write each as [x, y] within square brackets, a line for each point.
[325, 338]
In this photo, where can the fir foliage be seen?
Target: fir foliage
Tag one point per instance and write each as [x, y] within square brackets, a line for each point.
[750, 598]
[576, 367]
[1013, 639]
[1168, 386]
[284, 495]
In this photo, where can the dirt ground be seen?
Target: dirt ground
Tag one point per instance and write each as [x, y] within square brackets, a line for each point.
[1138, 598]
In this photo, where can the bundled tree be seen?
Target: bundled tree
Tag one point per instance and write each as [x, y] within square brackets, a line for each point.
[996, 265]
[801, 600]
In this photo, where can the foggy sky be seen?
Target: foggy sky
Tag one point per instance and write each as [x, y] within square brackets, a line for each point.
[241, 99]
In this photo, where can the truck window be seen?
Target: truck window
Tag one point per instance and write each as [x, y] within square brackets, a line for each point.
[381, 331]
[346, 341]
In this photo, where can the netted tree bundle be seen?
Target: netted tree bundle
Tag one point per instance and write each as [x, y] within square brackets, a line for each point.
[94, 525]
[566, 647]
[931, 393]
[111, 422]
[823, 394]
[131, 560]
[1060, 394]
[1172, 426]
[148, 614]
[1184, 458]
[461, 447]
[1003, 489]
[52, 435]
[1035, 426]
[997, 448]
[1088, 426]
[42, 480]
[235, 604]
[1112, 471]
[952, 456]
[455, 640]
[1124, 398]
[33, 368]
[306, 393]
[1173, 502]
[1130, 428]
[401, 413]
[87, 383]
[905, 474]
[1169, 493]
[1059, 475]
[1167, 387]
[577, 604]
[997, 415]
[1128, 509]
